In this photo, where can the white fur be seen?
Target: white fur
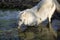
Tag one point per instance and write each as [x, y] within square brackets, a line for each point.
[37, 14]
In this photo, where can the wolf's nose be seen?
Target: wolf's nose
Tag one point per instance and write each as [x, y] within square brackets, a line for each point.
[23, 27]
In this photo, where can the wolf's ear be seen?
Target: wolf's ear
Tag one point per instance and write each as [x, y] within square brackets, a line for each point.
[21, 12]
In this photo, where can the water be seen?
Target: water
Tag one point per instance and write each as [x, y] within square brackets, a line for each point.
[56, 24]
[8, 25]
[8, 19]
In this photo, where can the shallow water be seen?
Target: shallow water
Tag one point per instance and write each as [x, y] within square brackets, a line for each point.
[8, 19]
[56, 24]
[8, 23]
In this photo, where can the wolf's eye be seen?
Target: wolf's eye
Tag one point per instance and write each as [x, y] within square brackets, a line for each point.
[20, 20]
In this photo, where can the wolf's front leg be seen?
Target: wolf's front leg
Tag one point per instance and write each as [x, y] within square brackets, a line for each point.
[51, 28]
[49, 23]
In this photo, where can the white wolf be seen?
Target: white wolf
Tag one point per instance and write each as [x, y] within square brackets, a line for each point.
[39, 13]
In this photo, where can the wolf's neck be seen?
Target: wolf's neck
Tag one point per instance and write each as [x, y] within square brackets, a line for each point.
[41, 3]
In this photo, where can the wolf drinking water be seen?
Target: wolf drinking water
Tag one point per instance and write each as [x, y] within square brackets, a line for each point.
[39, 13]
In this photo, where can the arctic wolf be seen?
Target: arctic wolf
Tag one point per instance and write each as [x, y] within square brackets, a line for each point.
[39, 13]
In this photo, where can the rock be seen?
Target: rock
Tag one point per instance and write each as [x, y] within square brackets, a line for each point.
[20, 4]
